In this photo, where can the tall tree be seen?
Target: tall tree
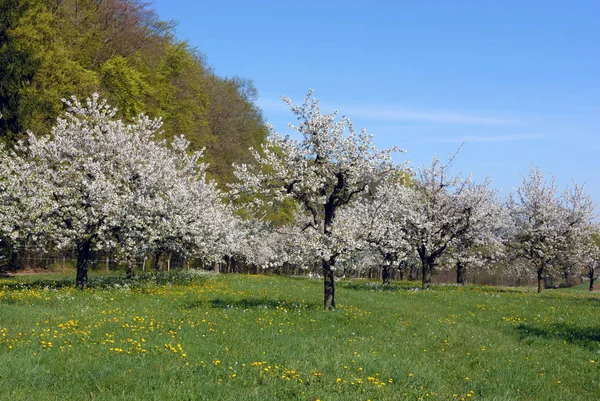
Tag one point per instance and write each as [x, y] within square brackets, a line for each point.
[17, 68]
[330, 166]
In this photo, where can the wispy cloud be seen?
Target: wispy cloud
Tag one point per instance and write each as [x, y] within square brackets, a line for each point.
[430, 116]
[489, 138]
[400, 114]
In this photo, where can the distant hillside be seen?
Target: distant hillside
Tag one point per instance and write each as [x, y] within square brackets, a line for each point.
[50, 49]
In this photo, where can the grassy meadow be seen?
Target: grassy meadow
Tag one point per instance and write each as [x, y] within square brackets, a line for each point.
[234, 337]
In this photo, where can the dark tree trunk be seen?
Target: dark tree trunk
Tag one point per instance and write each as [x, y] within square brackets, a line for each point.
[427, 270]
[461, 273]
[401, 270]
[412, 273]
[540, 278]
[235, 264]
[329, 264]
[592, 282]
[385, 274]
[14, 260]
[386, 271]
[83, 258]
[130, 272]
[156, 261]
[328, 286]
[567, 277]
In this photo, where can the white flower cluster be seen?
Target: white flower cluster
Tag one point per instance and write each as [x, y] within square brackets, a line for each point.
[328, 168]
[98, 183]
[548, 230]
[356, 208]
[433, 215]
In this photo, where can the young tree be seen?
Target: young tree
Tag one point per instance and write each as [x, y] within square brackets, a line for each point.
[325, 170]
[544, 223]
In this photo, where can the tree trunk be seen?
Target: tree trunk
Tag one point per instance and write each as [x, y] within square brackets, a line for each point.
[329, 286]
[83, 257]
[427, 270]
[385, 274]
[412, 273]
[14, 262]
[328, 276]
[540, 277]
[130, 268]
[461, 273]
[592, 283]
[401, 268]
[156, 261]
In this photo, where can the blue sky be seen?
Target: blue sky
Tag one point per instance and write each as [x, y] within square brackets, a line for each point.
[518, 81]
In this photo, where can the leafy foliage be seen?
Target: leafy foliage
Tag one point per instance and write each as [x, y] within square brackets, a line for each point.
[98, 183]
[121, 49]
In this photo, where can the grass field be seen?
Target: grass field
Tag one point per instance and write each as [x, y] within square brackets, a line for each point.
[266, 338]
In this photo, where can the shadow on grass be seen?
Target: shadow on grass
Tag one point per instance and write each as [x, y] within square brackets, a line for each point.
[253, 303]
[587, 337]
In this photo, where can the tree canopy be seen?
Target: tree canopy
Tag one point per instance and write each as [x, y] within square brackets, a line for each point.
[122, 50]
[329, 167]
[97, 183]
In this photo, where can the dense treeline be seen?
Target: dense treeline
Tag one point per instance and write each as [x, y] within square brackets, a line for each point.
[121, 49]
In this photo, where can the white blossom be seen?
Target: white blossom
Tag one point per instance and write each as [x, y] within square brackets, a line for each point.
[98, 183]
[326, 169]
[546, 225]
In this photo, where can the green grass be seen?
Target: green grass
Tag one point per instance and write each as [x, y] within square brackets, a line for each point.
[583, 288]
[266, 338]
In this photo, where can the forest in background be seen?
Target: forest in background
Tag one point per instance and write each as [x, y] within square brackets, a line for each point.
[50, 49]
